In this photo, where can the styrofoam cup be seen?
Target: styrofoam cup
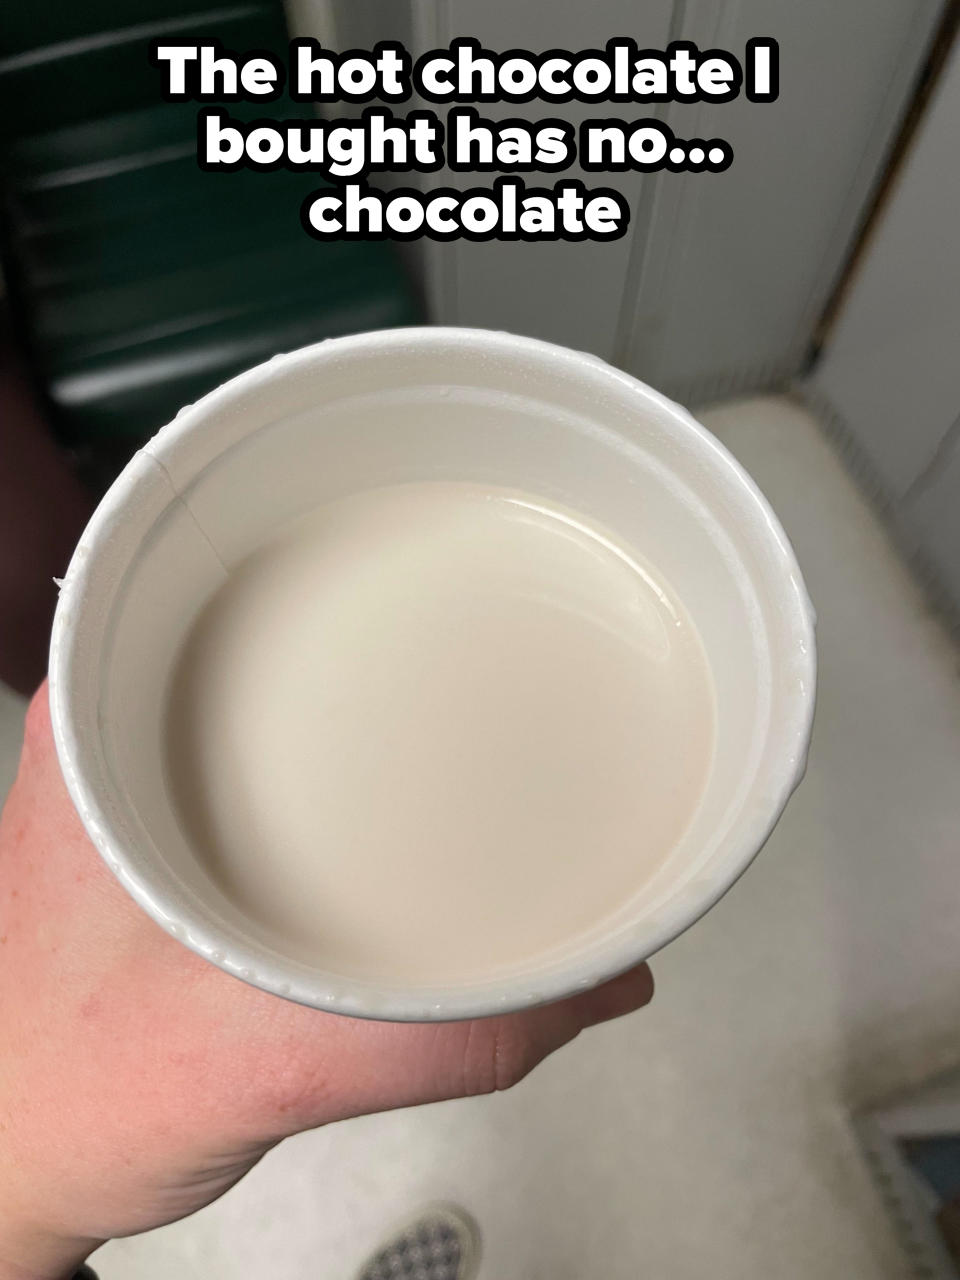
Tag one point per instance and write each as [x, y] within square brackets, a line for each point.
[409, 405]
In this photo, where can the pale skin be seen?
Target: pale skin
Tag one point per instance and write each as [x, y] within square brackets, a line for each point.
[138, 1082]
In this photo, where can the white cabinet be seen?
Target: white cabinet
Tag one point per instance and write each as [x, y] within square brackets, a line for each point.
[721, 278]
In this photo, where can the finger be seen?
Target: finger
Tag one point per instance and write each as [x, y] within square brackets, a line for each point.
[625, 994]
[522, 1040]
[538, 1032]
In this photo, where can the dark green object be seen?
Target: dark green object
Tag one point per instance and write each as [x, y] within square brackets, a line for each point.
[138, 280]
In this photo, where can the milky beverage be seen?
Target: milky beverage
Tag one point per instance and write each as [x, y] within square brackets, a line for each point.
[432, 732]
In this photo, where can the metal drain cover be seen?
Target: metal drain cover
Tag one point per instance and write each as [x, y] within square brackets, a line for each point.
[441, 1243]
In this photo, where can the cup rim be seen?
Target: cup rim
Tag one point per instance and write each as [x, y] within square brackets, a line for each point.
[781, 770]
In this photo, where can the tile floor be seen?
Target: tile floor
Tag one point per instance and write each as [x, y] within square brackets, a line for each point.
[709, 1135]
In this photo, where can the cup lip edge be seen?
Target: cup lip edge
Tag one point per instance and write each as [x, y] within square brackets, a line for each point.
[414, 1002]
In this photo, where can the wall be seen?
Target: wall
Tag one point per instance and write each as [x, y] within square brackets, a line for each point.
[891, 370]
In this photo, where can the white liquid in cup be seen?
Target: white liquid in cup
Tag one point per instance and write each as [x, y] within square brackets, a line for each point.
[436, 730]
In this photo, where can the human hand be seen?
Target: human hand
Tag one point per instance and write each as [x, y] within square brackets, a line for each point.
[138, 1082]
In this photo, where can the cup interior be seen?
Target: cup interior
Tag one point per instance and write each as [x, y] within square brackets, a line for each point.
[415, 405]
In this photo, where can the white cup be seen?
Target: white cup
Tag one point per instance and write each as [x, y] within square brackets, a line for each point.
[406, 405]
